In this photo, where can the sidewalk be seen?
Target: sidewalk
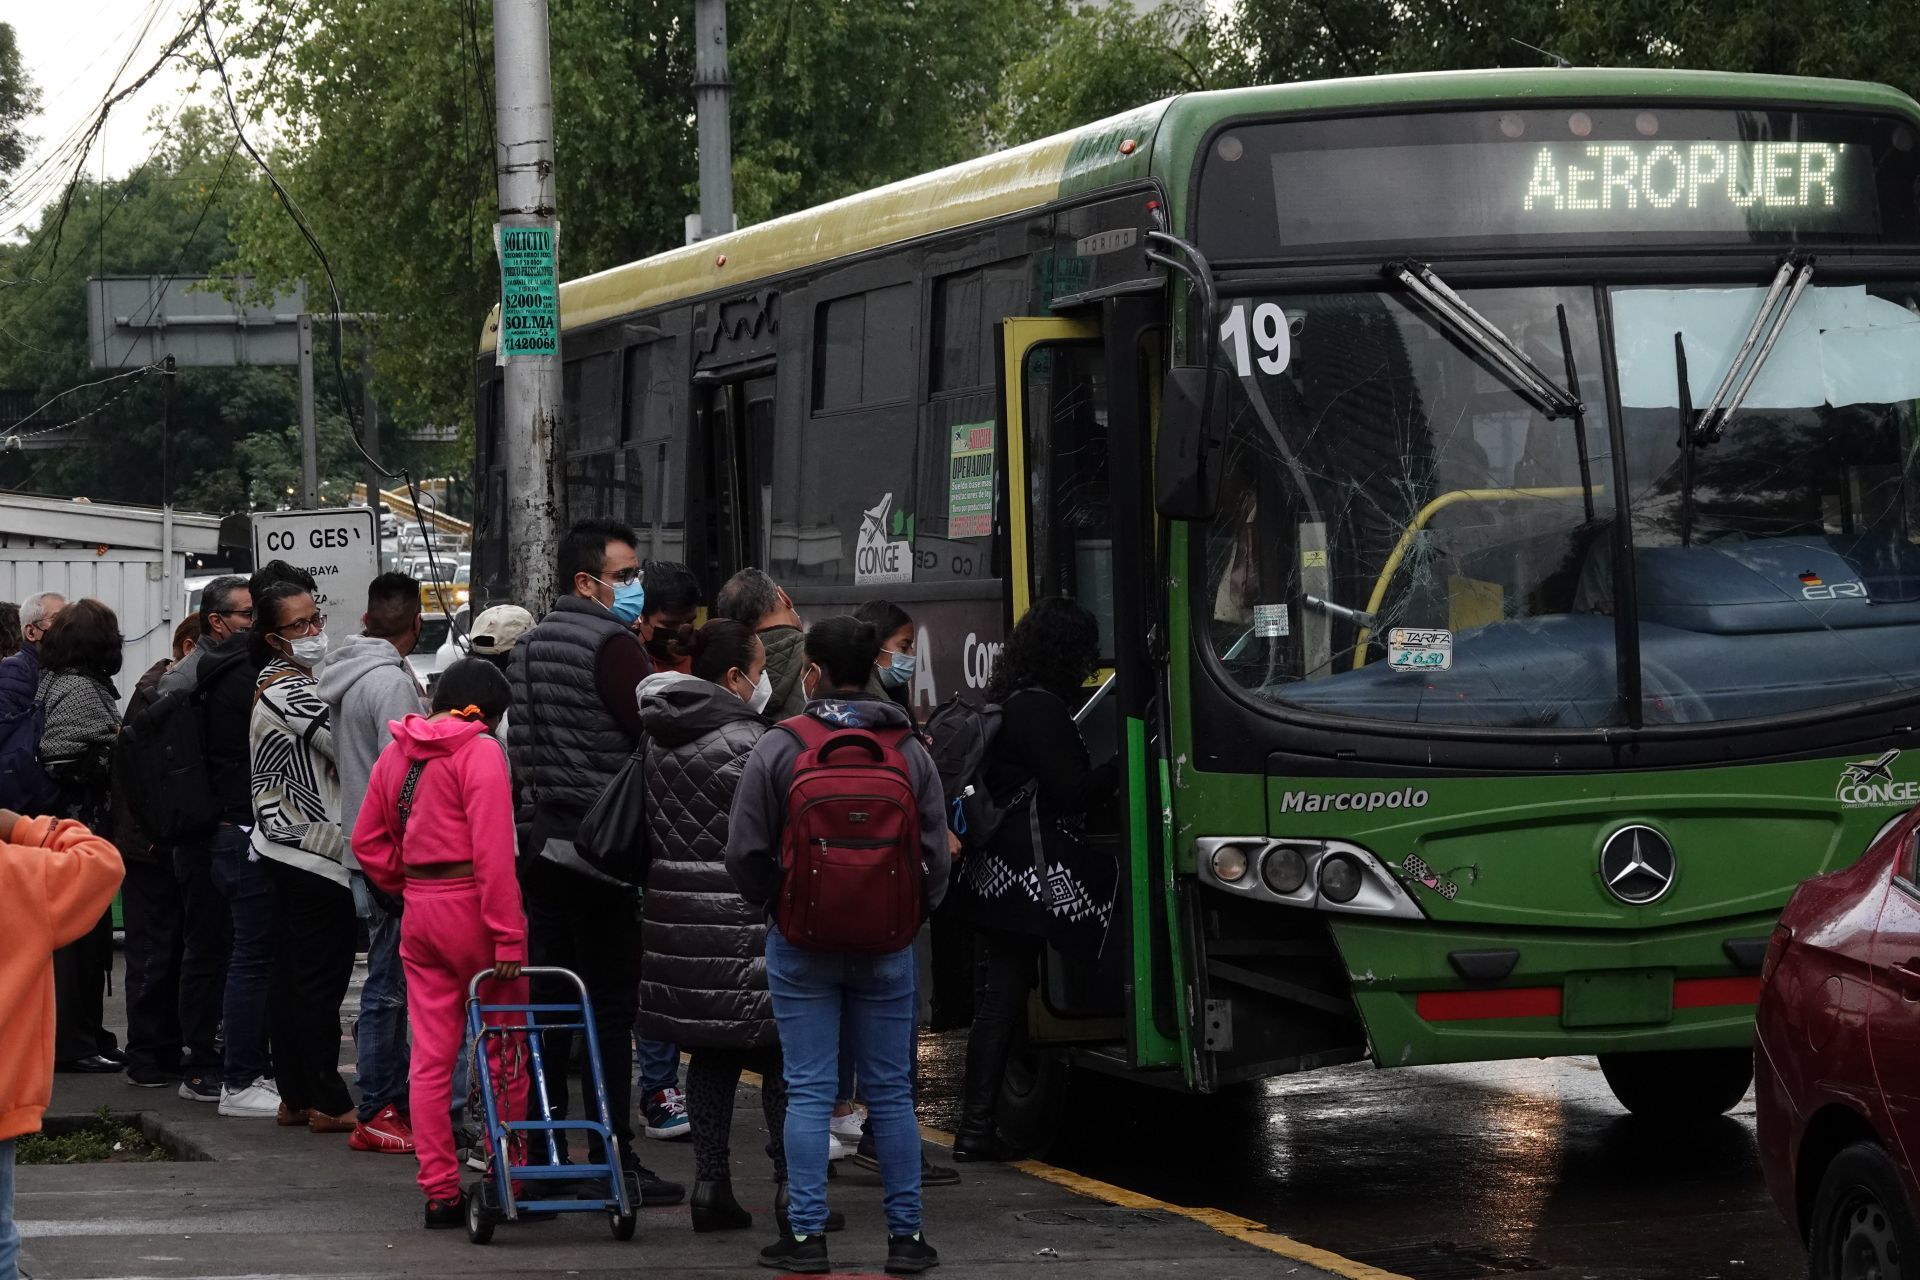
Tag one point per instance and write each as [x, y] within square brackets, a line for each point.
[274, 1204]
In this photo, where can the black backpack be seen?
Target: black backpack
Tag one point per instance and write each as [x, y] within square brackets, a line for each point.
[25, 785]
[164, 748]
[959, 735]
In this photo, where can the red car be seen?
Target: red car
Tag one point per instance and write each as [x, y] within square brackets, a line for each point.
[1837, 1063]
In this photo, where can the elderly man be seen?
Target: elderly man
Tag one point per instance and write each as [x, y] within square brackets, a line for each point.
[752, 598]
[20, 673]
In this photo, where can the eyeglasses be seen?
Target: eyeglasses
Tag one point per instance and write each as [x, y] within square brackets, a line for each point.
[625, 578]
[309, 626]
[234, 613]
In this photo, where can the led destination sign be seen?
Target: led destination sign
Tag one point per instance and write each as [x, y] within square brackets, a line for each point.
[1651, 178]
[1686, 175]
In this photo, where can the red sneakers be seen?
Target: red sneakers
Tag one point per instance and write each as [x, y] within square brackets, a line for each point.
[387, 1133]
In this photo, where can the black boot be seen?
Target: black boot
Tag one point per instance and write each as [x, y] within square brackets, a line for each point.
[989, 1041]
[715, 1209]
[653, 1190]
[836, 1220]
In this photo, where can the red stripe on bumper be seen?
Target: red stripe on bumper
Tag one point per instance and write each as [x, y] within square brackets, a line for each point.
[1715, 993]
[1471, 1006]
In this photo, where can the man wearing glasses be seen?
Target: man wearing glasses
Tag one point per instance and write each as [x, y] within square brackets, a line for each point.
[228, 897]
[576, 719]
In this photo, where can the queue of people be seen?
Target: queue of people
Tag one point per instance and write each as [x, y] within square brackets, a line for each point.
[452, 828]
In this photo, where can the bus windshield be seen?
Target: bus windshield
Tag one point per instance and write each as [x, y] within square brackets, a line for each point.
[1403, 537]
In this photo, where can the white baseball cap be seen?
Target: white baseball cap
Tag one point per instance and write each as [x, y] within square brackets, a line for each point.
[498, 629]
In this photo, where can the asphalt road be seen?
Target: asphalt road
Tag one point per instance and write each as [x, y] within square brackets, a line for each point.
[1522, 1168]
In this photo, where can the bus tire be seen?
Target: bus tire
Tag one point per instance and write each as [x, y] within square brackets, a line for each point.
[1679, 1084]
[1033, 1096]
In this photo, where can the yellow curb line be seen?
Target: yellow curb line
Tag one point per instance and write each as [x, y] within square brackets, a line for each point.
[1231, 1225]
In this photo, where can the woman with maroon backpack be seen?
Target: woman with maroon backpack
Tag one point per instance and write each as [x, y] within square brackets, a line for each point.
[839, 830]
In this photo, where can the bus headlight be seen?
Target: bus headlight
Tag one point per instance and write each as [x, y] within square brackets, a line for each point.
[1229, 864]
[1340, 879]
[1284, 869]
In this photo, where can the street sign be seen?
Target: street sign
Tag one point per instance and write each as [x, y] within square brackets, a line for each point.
[339, 546]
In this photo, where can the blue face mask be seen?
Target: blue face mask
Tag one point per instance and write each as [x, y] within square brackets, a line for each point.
[629, 600]
[899, 673]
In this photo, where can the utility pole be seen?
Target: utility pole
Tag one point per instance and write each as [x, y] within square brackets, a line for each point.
[370, 431]
[712, 89]
[529, 338]
[309, 438]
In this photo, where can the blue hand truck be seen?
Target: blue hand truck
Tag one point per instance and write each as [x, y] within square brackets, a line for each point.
[491, 1200]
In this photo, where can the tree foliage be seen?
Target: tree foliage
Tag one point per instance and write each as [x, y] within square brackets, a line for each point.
[381, 134]
[386, 109]
[234, 437]
[18, 100]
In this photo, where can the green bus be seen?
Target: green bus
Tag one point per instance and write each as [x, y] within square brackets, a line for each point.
[1499, 491]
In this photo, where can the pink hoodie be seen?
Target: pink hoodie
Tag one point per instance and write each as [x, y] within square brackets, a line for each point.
[462, 812]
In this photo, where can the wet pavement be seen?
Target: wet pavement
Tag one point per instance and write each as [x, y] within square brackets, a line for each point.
[266, 1203]
[1526, 1168]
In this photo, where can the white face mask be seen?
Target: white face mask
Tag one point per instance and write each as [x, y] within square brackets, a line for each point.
[762, 694]
[310, 651]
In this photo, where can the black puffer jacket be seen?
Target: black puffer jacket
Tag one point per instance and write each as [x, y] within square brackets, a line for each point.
[565, 746]
[704, 973]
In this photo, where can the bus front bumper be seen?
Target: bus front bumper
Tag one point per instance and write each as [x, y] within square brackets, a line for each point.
[1435, 994]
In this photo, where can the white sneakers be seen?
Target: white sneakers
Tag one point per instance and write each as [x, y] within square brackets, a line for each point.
[843, 1133]
[258, 1101]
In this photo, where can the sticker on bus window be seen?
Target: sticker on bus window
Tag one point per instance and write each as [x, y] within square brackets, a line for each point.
[970, 481]
[1271, 621]
[1417, 649]
[877, 558]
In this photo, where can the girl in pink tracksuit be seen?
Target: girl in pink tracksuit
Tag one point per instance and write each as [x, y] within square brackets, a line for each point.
[450, 859]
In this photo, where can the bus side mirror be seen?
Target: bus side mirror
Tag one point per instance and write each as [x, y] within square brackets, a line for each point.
[1191, 454]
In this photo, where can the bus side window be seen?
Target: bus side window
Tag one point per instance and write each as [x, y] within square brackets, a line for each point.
[1070, 513]
[653, 476]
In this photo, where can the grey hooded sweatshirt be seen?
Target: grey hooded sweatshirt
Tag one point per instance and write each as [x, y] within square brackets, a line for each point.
[367, 685]
[760, 802]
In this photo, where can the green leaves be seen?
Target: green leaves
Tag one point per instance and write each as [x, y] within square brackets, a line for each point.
[18, 100]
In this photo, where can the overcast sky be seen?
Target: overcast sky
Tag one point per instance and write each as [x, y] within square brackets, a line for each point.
[79, 52]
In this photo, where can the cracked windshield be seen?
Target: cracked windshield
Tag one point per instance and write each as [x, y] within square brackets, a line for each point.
[1404, 535]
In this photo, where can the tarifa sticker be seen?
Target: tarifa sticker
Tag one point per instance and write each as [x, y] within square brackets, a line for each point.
[1417, 649]
[1352, 801]
[1869, 784]
[1270, 621]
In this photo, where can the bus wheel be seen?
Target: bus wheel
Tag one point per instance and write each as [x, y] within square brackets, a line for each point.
[1033, 1096]
[1681, 1084]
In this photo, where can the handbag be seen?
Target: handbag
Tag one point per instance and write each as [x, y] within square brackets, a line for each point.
[1078, 888]
[612, 838]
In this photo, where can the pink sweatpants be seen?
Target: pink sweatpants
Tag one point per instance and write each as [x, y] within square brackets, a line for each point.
[443, 943]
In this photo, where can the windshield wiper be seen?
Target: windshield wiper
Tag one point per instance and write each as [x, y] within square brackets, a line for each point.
[1478, 334]
[1788, 284]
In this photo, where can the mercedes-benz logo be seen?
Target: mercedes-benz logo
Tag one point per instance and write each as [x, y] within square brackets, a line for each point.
[1637, 865]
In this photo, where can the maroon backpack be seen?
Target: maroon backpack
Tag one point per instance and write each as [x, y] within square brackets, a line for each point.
[851, 850]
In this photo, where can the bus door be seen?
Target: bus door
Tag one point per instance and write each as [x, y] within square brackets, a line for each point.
[1063, 504]
[736, 432]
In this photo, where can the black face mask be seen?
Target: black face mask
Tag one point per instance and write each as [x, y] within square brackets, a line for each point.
[660, 647]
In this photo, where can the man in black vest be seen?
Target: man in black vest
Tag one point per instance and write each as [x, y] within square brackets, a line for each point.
[576, 719]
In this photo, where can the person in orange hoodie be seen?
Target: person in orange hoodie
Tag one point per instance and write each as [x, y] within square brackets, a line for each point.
[56, 878]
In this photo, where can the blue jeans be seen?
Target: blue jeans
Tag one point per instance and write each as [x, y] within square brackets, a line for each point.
[659, 1064]
[380, 1034]
[248, 890]
[813, 992]
[9, 1234]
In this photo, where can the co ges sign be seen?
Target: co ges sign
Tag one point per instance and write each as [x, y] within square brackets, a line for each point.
[339, 546]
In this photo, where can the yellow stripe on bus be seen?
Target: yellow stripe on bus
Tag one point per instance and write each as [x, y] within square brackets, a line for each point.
[979, 190]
